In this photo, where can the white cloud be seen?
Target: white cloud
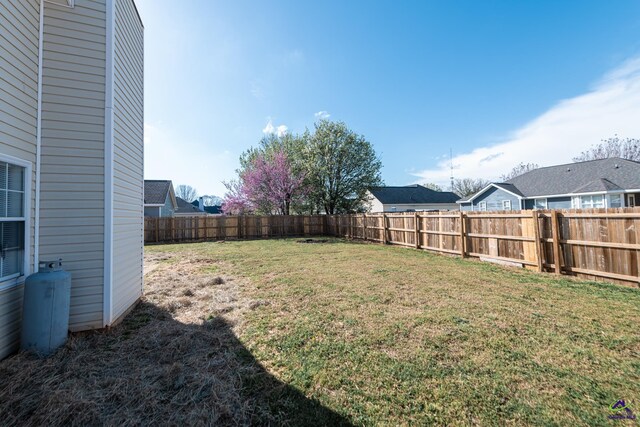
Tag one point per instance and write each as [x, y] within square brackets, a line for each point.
[280, 130]
[321, 115]
[611, 107]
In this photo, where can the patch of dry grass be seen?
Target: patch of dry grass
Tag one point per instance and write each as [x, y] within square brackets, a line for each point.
[175, 360]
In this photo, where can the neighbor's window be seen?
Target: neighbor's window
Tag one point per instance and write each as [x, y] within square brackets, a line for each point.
[575, 202]
[506, 205]
[589, 202]
[12, 220]
[482, 206]
[540, 204]
[615, 201]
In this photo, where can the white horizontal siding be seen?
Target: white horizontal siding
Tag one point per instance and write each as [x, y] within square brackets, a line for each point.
[10, 320]
[72, 176]
[19, 32]
[128, 178]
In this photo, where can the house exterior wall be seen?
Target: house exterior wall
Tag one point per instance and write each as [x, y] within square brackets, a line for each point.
[552, 203]
[73, 134]
[128, 181]
[167, 209]
[19, 43]
[152, 211]
[374, 204]
[418, 207]
[494, 198]
[73, 173]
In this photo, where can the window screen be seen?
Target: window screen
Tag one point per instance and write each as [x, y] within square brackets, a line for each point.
[12, 220]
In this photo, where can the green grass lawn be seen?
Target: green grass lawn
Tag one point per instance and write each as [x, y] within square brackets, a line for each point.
[385, 335]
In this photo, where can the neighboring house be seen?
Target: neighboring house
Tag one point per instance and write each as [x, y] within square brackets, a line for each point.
[211, 210]
[410, 198]
[159, 198]
[606, 183]
[71, 155]
[187, 209]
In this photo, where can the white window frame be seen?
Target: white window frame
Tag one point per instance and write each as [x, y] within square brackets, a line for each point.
[610, 200]
[28, 177]
[540, 201]
[482, 206]
[506, 205]
[632, 200]
[588, 201]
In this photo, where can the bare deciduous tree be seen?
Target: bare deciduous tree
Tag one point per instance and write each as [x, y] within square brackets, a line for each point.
[432, 186]
[519, 170]
[465, 187]
[210, 200]
[186, 192]
[627, 148]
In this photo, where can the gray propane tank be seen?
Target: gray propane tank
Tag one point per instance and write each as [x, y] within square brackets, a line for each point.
[45, 313]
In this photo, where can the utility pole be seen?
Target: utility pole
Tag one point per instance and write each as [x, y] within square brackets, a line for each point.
[451, 165]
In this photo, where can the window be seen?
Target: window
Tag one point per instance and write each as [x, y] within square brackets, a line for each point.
[482, 206]
[540, 204]
[506, 205]
[615, 201]
[632, 200]
[575, 202]
[12, 220]
[590, 202]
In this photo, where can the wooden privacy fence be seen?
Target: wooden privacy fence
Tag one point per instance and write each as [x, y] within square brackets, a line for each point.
[592, 243]
[202, 228]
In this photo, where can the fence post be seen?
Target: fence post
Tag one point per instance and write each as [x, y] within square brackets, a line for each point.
[416, 226]
[157, 221]
[364, 227]
[463, 237]
[384, 228]
[555, 232]
[536, 229]
[171, 223]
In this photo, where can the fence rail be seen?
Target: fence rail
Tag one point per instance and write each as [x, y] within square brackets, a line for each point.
[591, 243]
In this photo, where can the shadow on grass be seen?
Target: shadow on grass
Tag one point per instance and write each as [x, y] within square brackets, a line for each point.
[152, 369]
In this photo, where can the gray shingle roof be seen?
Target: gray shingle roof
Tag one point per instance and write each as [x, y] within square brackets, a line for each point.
[411, 194]
[509, 187]
[186, 207]
[584, 177]
[155, 191]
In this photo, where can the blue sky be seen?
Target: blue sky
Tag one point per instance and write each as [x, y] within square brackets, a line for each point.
[498, 82]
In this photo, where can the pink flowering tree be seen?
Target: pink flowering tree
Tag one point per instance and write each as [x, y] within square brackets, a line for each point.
[235, 201]
[269, 185]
